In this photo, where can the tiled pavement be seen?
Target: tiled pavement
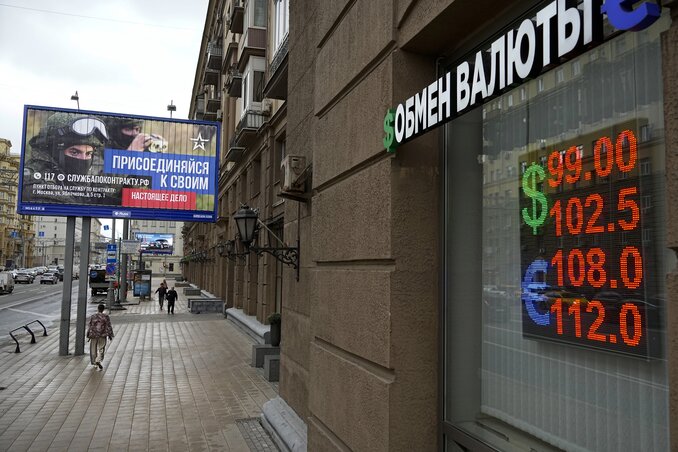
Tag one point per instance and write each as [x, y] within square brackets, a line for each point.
[170, 382]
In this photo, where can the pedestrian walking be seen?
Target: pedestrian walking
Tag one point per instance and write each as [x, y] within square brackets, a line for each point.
[171, 298]
[98, 330]
[162, 292]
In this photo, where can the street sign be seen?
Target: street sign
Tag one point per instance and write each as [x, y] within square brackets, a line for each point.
[130, 246]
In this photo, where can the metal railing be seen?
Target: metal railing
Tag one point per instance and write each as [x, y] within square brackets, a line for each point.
[278, 58]
[18, 350]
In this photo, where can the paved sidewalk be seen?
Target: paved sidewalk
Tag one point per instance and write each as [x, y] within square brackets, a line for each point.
[170, 382]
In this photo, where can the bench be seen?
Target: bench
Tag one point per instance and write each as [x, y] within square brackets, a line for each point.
[197, 305]
[192, 291]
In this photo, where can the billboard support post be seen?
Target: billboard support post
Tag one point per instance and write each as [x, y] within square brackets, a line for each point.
[110, 295]
[82, 288]
[123, 264]
[67, 287]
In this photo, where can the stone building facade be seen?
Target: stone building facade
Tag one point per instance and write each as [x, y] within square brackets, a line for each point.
[428, 311]
[16, 231]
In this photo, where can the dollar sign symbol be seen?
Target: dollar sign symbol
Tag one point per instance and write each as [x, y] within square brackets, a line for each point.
[389, 140]
[530, 189]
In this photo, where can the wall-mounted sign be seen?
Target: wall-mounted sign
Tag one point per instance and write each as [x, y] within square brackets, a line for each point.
[558, 31]
[155, 243]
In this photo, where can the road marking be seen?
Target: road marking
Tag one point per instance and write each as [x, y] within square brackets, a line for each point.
[32, 313]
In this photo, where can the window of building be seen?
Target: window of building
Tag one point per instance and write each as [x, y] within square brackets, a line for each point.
[560, 75]
[253, 84]
[576, 67]
[255, 170]
[278, 155]
[520, 362]
[282, 22]
[255, 13]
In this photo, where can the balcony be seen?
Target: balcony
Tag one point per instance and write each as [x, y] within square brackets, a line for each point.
[213, 56]
[210, 116]
[199, 107]
[276, 85]
[211, 77]
[213, 97]
[230, 56]
[236, 17]
[235, 152]
[234, 82]
[247, 128]
[254, 44]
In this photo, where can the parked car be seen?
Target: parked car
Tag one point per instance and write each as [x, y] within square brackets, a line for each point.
[49, 277]
[23, 278]
[160, 244]
[6, 282]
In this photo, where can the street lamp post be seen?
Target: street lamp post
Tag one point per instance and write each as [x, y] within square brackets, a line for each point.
[171, 107]
[76, 98]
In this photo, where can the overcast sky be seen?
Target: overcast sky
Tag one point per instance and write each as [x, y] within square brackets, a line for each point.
[121, 56]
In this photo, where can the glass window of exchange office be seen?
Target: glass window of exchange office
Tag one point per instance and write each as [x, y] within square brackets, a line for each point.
[554, 297]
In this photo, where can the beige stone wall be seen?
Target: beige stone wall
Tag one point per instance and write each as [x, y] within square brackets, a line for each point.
[670, 76]
[360, 329]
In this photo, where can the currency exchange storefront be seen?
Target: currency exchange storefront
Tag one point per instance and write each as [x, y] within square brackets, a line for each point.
[554, 318]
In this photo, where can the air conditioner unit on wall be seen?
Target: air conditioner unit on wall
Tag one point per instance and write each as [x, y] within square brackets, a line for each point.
[266, 106]
[291, 168]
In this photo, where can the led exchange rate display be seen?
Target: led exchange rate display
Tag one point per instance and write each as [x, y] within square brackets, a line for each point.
[586, 253]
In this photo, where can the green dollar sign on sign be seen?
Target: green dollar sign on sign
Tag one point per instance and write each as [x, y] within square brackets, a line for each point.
[530, 189]
[389, 140]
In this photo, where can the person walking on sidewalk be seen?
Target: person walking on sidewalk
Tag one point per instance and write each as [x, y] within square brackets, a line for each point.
[171, 298]
[161, 291]
[98, 330]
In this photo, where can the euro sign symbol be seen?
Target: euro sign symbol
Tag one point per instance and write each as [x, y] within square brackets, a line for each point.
[389, 140]
[622, 16]
[530, 189]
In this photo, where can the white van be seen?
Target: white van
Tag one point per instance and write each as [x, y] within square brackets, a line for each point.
[6, 282]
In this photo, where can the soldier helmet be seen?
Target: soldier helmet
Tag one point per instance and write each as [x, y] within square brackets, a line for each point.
[62, 130]
[115, 126]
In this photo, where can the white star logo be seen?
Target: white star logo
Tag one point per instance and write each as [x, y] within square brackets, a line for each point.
[199, 143]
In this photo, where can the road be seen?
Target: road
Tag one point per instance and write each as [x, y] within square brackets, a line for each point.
[36, 301]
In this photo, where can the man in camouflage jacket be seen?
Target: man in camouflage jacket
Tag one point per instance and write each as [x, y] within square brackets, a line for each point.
[98, 330]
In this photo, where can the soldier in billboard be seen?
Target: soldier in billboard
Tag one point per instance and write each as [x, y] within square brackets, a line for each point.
[126, 134]
[66, 145]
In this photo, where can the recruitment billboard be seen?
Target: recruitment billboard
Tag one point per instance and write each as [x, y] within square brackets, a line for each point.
[109, 165]
[155, 243]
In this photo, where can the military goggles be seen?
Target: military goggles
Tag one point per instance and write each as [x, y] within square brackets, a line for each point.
[85, 127]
